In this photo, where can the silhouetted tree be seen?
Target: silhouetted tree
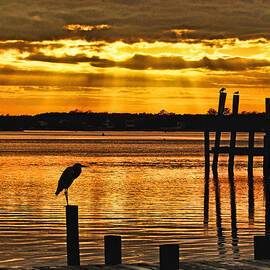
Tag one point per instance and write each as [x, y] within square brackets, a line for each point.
[212, 111]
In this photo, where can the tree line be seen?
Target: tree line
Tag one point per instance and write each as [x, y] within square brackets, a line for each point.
[77, 120]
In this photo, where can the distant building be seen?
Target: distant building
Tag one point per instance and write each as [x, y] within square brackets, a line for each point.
[108, 124]
[130, 124]
[180, 125]
[42, 124]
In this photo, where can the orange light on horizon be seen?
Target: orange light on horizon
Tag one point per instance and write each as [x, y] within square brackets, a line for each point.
[82, 27]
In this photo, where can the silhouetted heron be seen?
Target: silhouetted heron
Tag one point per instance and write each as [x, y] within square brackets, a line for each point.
[222, 90]
[67, 177]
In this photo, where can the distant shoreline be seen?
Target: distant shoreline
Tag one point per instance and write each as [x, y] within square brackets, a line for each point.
[88, 121]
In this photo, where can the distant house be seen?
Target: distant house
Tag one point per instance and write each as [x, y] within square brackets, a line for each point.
[42, 124]
[180, 125]
[108, 124]
[130, 124]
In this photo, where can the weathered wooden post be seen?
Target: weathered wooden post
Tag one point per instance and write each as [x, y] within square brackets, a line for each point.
[266, 159]
[112, 246]
[266, 163]
[262, 243]
[261, 247]
[250, 153]
[73, 251]
[233, 134]
[221, 105]
[169, 257]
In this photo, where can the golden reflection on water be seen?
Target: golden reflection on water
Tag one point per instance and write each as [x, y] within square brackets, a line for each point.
[146, 189]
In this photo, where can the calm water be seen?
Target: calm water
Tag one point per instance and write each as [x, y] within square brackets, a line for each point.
[147, 187]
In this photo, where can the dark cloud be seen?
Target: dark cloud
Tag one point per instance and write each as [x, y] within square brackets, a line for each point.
[143, 62]
[67, 59]
[10, 75]
[230, 64]
[133, 20]
[24, 46]
[257, 78]
[101, 62]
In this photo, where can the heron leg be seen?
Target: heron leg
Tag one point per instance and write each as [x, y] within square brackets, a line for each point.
[66, 194]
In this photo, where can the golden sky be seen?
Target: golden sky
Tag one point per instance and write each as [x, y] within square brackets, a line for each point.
[132, 55]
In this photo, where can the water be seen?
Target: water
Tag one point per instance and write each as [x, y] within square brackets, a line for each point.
[147, 187]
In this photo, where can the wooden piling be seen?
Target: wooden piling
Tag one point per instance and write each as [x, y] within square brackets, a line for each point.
[233, 134]
[261, 247]
[169, 257]
[73, 252]
[266, 159]
[221, 105]
[112, 249]
[250, 155]
[267, 109]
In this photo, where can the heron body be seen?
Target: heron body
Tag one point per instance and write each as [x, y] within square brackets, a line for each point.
[67, 178]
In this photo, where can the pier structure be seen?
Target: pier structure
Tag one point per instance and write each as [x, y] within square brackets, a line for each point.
[232, 150]
[261, 242]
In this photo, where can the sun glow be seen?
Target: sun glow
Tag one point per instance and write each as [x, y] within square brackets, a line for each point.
[209, 64]
[76, 27]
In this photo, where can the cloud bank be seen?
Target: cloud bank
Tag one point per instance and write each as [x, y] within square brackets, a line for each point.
[144, 62]
[135, 20]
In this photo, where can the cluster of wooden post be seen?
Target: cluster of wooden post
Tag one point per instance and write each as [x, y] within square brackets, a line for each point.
[232, 150]
[169, 254]
[261, 243]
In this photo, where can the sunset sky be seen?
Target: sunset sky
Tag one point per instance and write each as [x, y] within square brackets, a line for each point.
[132, 55]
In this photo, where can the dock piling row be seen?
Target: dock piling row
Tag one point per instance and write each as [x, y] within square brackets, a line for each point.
[232, 149]
[168, 253]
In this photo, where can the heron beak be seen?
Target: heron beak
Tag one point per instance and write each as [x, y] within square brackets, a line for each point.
[83, 166]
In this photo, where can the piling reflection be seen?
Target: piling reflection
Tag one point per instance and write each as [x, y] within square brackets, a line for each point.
[251, 200]
[206, 200]
[220, 234]
[235, 240]
[266, 184]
